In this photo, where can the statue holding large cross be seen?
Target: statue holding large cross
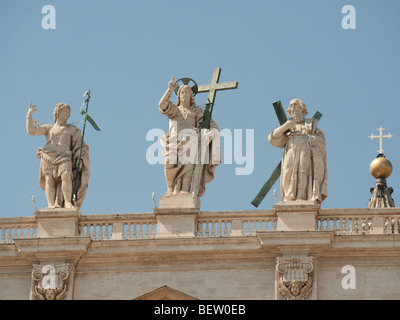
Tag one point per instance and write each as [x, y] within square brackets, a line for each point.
[192, 144]
[303, 168]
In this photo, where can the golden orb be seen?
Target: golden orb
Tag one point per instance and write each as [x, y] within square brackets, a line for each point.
[380, 167]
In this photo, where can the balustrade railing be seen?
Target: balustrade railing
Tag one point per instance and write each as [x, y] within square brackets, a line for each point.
[359, 221]
[136, 226]
[17, 228]
[119, 227]
[235, 223]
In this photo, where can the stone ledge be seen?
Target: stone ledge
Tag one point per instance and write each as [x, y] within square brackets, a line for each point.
[53, 249]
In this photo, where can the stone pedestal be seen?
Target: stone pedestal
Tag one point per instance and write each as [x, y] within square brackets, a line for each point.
[177, 216]
[179, 201]
[296, 215]
[57, 222]
[57, 244]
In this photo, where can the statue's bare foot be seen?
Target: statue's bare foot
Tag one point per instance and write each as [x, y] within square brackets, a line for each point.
[184, 192]
[169, 191]
[69, 205]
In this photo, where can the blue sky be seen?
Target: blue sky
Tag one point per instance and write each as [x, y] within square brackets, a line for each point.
[125, 52]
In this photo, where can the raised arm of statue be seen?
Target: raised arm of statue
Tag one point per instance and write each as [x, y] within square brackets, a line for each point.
[290, 124]
[31, 128]
[164, 103]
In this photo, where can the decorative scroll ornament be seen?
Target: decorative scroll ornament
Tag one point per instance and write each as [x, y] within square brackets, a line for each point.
[50, 281]
[295, 277]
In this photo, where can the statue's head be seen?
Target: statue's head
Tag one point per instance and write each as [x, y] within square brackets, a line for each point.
[59, 108]
[185, 96]
[297, 110]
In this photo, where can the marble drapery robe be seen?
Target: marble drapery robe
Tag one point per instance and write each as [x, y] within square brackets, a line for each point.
[304, 163]
[181, 144]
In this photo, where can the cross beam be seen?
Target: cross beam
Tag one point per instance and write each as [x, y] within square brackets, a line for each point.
[212, 89]
[380, 137]
[280, 113]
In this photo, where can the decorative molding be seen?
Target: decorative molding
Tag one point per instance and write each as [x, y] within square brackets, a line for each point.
[294, 276]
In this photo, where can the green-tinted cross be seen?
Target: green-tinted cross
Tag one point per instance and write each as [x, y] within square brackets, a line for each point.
[212, 89]
[280, 113]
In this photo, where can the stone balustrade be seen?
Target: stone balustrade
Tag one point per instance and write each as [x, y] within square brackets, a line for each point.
[235, 223]
[16, 228]
[119, 226]
[359, 221]
[135, 226]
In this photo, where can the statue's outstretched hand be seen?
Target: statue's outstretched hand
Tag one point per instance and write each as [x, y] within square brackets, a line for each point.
[32, 108]
[172, 85]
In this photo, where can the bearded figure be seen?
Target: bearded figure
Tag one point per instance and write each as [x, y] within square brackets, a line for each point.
[304, 164]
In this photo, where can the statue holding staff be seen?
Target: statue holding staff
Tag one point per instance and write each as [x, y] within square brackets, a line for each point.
[61, 158]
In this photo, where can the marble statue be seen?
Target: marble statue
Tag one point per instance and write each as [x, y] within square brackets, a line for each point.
[59, 158]
[304, 169]
[181, 142]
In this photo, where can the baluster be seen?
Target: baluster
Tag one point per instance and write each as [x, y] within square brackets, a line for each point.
[153, 227]
[244, 227]
[255, 227]
[127, 235]
[8, 238]
[324, 227]
[3, 235]
[107, 233]
[209, 228]
[100, 234]
[271, 226]
[135, 232]
[224, 229]
[200, 229]
[87, 226]
[337, 224]
[16, 229]
[228, 228]
[28, 232]
[213, 228]
[142, 230]
[344, 225]
[356, 225]
[248, 228]
[94, 232]
[264, 222]
[219, 228]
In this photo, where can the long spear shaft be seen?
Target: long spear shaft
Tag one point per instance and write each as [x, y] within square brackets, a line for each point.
[80, 150]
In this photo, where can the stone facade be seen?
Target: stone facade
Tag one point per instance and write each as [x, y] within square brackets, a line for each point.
[203, 255]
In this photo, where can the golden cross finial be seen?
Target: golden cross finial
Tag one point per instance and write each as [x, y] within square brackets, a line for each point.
[380, 137]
